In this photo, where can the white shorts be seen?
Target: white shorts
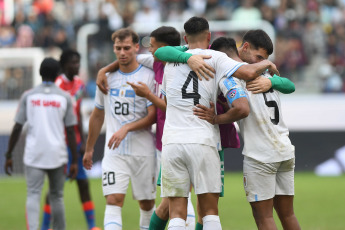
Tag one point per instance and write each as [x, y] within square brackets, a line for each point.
[262, 181]
[183, 164]
[117, 170]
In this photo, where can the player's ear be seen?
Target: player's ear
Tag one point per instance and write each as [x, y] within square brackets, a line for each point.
[246, 46]
[209, 37]
[137, 47]
[185, 39]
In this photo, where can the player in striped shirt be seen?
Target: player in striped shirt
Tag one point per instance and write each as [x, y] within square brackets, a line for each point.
[129, 153]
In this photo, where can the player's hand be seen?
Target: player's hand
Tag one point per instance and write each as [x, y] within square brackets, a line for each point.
[204, 113]
[102, 81]
[140, 89]
[273, 69]
[9, 167]
[259, 85]
[87, 160]
[199, 66]
[73, 171]
[117, 137]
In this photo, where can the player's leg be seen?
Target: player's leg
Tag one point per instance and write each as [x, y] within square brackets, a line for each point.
[204, 168]
[34, 182]
[176, 183]
[190, 221]
[115, 180]
[143, 177]
[56, 184]
[259, 180]
[198, 225]
[283, 201]
[160, 216]
[46, 214]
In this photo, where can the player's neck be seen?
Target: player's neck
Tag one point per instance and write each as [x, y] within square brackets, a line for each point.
[129, 68]
[198, 45]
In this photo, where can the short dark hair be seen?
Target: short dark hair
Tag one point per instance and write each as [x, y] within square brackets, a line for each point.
[258, 39]
[124, 33]
[167, 34]
[67, 55]
[226, 43]
[49, 69]
[196, 25]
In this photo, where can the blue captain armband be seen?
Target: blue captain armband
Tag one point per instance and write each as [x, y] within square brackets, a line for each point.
[234, 94]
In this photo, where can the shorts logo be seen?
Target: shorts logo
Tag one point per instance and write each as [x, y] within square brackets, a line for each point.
[245, 181]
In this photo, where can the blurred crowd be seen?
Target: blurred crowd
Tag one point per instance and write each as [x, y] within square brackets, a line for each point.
[310, 34]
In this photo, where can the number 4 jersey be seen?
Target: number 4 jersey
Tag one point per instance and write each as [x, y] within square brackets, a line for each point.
[183, 91]
[265, 135]
[123, 106]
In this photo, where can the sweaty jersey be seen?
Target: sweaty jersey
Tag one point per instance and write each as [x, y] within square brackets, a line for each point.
[158, 67]
[183, 91]
[122, 106]
[75, 88]
[265, 135]
[47, 111]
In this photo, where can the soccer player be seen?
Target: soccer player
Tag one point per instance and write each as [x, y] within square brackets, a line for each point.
[71, 83]
[269, 159]
[160, 37]
[48, 111]
[188, 144]
[129, 152]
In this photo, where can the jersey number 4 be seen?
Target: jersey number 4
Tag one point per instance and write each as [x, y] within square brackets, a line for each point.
[274, 105]
[195, 95]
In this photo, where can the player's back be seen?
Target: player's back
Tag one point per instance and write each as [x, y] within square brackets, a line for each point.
[266, 137]
[183, 91]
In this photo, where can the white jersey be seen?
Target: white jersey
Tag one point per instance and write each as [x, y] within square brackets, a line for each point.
[47, 111]
[123, 106]
[183, 91]
[265, 135]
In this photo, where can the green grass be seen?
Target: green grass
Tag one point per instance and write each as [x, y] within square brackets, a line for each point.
[319, 204]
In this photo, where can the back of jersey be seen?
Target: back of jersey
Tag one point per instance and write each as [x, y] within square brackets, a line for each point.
[265, 135]
[183, 91]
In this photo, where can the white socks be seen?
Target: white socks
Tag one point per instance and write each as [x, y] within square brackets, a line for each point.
[177, 224]
[112, 218]
[190, 222]
[211, 222]
[145, 217]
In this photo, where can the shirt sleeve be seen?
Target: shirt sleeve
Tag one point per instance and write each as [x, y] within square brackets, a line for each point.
[21, 111]
[70, 118]
[282, 84]
[232, 88]
[146, 60]
[173, 54]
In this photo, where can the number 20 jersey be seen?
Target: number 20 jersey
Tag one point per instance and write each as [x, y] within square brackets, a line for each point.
[183, 91]
[265, 135]
[123, 106]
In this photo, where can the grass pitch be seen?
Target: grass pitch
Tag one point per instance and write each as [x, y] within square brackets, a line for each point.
[319, 204]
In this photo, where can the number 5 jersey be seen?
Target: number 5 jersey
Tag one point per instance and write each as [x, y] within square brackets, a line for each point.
[123, 106]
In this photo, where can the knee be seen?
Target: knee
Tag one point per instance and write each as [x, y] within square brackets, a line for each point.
[146, 205]
[115, 199]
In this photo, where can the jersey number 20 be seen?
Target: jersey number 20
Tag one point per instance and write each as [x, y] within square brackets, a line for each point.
[195, 95]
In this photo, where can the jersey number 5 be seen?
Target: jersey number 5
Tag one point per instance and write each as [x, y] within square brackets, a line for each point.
[273, 104]
[195, 95]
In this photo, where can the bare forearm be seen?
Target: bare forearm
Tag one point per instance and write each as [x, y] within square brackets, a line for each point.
[252, 71]
[95, 126]
[239, 110]
[144, 122]
[71, 142]
[112, 67]
[16, 131]
[158, 102]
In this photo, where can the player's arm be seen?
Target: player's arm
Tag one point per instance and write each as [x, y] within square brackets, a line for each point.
[262, 84]
[195, 62]
[142, 90]
[102, 81]
[71, 142]
[251, 71]
[95, 126]
[143, 123]
[14, 137]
